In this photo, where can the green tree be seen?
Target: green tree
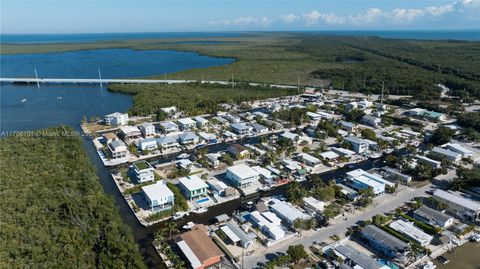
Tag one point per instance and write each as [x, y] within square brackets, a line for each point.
[295, 193]
[442, 135]
[297, 253]
[369, 134]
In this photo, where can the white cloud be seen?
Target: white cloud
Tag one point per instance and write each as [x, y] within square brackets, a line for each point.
[371, 16]
[288, 18]
[403, 16]
[439, 11]
[314, 16]
[243, 21]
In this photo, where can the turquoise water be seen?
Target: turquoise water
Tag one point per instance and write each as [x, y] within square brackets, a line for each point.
[387, 263]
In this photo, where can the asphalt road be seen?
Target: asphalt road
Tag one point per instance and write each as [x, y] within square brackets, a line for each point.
[383, 204]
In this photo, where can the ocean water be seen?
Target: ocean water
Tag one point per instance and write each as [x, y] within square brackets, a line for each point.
[26, 107]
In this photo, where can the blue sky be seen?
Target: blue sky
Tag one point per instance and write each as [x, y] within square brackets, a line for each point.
[90, 16]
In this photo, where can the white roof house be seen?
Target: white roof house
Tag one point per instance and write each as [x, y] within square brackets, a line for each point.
[447, 154]
[169, 126]
[344, 152]
[116, 118]
[309, 159]
[186, 123]
[426, 160]
[329, 155]
[287, 212]
[158, 195]
[148, 144]
[289, 135]
[459, 149]
[464, 207]
[242, 175]
[201, 121]
[313, 205]
[408, 229]
[147, 129]
[360, 179]
[193, 182]
[129, 131]
[313, 116]
[267, 227]
[264, 173]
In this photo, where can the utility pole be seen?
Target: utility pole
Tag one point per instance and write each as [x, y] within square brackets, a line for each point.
[383, 88]
[100, 77]
[233, 82]
[36, 77]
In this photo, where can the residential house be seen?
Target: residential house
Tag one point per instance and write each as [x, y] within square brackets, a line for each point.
[446, 154]
[186, 123]
[267, 227]
[148, 144]
[265, 174]
[242, 176]
[287, 212]
[221, 189]
[372, 121]
[208, 137]
[259, 129]
[428, 161]
[433, 217]
[143, 172]
[410, 231]
[352, 258]
[168, 127]
[109, 137]
[348, 126]
[238, 151]
[199, 249]
[395, 175]
[232, 119]
[168, 142]
[384, 244]
[116, 119]
[241, 128]
[237, 235]
[201, 122]
[188, 138]
[308, 159]
[129, 133]
[158, 196]
[213, 159]
[466, 153]
[118, 149]
[459, 204]
[329, 155]
[290, 136]
[344, 152]
[147, 129]
[359, 145]
[193, 187]
[312, 205]
[361, 180]
[314, 116]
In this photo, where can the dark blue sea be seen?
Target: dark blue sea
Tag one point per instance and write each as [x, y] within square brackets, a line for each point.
[468, 34]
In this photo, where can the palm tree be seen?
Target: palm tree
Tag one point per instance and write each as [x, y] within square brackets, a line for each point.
[413, 252]
[159, 236]
[335, 238]
[171, 228]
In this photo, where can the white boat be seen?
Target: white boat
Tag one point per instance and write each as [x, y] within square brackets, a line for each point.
[200, 210]
[189, 225]
[59, 98]
[179, 215]
[264, 188]
[183, 156]
[429, 265]
[24, 100]
[375, 156]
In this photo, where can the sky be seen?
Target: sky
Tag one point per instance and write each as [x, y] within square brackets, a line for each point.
[102, 16]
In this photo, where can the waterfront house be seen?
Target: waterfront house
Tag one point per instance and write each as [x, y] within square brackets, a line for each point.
[237, 235]
[410, 231]
[343, 152]
[109, 137]
[193, 187]
[219, 188]
[232, 119]
[186, 123]
[314, 116]
[168, 127]
[207, 137]
[147, 129]
[199, 249]
[459, 204]
[290, 136]
[143, 171]
[359, 145]
[433, 217]
[259, 129]
[118, 149]
[238, 151]
[116, 119]
[395, 175]
[168, 142]
[129, 133]
[427, 114]
[329, 155]
[242, 176]
[265, 174]
[383, 243]
[148, 144]
[201, 122]
[158, 196]
[241, 128]
[188, 138]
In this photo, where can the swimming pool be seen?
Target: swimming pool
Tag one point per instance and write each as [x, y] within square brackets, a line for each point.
[203, 200]
[388, 263]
